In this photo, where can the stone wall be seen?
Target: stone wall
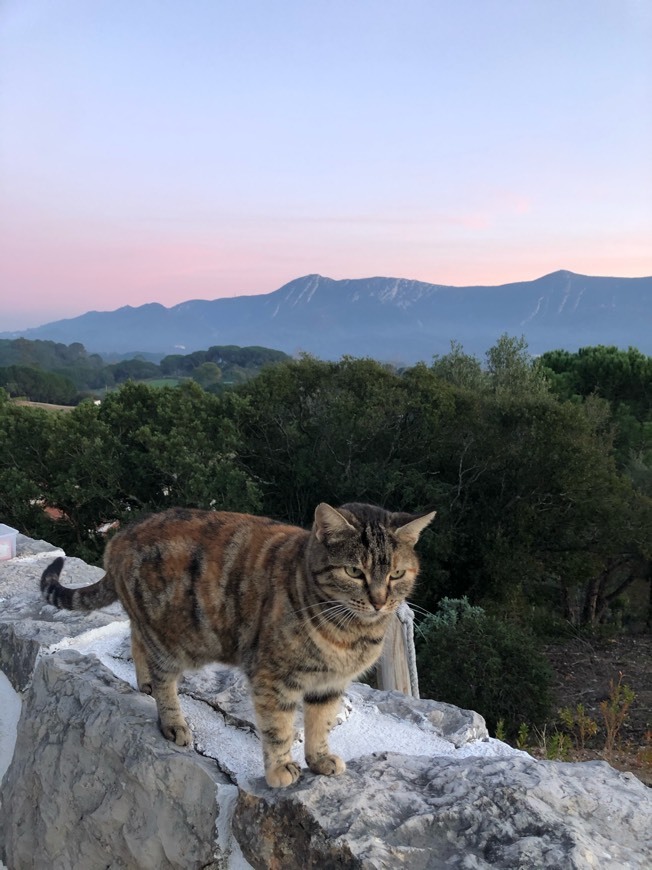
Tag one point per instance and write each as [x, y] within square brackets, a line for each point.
[92, 784]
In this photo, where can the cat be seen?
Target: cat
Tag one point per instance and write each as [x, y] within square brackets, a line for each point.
[302, 613]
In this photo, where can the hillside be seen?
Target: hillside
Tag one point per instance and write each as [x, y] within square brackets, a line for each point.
[387, 318]
[45, 371]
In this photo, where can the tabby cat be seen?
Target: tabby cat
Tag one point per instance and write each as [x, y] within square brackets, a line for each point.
[300, 612]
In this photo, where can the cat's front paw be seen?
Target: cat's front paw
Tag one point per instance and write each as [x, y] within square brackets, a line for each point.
[177, 732]
[283, 775]
[327, 765]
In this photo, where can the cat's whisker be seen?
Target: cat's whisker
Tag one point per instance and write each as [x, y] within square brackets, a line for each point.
[316, 605]
[418, 609]
[331, 615]
[322, 617]
[340, 617]
[320, 612]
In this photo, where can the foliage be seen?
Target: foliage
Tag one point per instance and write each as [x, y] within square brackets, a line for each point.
[85, 370]
[176, 447]
[622, 381]
[25, 435]
[478, 662]
[578, 728]
[142, 450]
[133, 370]
[615, 710]
[558, 746]
[579, 724]
[623, 378]
[512, 371]
[509, 369]
[207, 375]
[38, 386]
[536, 510]
[221, 365]
[43, 354]
[315, 431]
[47, 371]
[616, 375]
[531, 505]
[522, 736]
[459, 368]
[450, 611]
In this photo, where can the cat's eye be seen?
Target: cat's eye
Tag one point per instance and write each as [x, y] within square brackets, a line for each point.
[397, 573]
[352, 571]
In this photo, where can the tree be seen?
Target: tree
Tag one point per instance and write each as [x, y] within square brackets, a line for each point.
[313, 431]
[176, 448]
[207, 375]
[512, 370]
[142, 450]
[83, 481]
[133, 370]
[172, 364]
[25, 434]
[38, 386]
[459, 368]
[616, 375]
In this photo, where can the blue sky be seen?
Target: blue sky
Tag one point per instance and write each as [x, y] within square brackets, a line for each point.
[159, 150]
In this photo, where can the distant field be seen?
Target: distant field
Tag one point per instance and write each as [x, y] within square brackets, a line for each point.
[44, 405]
[151, 382]
[163, 382]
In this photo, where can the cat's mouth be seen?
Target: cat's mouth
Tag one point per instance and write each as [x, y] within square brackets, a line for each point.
[373, 614]
[343, 613]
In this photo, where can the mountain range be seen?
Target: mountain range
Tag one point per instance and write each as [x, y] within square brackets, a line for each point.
[391, 319]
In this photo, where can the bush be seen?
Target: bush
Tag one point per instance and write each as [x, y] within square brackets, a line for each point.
[475, 661]
[450, 611]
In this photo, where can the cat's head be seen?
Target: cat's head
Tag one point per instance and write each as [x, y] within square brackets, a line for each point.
[363, 556]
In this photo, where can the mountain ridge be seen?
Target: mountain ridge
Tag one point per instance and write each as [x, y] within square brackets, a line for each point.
[395, 319]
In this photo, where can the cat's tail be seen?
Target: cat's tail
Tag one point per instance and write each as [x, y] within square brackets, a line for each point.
[91, 597]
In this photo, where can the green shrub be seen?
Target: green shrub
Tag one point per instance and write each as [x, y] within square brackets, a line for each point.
[478, 662]
[450, 611]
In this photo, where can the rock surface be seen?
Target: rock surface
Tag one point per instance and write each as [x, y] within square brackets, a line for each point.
[26, 626]
[92, 783]
[95, 786]
[419, 812]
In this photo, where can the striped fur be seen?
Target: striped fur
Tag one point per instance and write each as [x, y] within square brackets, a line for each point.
[278, 601]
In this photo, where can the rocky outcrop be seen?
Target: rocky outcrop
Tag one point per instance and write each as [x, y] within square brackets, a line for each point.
[92, 784]
[95, 786]
[419, 812]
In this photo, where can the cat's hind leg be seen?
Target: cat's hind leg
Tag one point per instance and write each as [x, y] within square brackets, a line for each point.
[172, 722]
[319, 713]
[157, 674]
[143, 676]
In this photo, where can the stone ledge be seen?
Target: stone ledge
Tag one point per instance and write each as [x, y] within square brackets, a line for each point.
[92, 781]
[27, 624]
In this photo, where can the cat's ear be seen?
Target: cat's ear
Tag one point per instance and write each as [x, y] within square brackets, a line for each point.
[409, 532]
[329, 522]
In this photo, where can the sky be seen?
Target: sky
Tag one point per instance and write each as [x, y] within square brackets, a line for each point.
[166, 150]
